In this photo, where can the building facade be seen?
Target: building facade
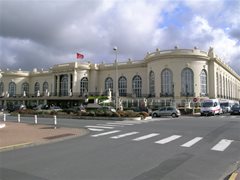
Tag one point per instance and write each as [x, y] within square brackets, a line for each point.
[178, 77]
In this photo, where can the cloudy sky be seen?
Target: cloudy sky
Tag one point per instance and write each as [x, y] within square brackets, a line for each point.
[41, 33]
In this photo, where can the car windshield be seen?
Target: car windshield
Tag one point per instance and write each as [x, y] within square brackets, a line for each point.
[225, 104]
[207, 104]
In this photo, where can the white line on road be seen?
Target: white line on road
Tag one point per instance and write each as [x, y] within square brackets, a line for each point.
[168, 139]
[222, 145]
[146, 137]
[191, 142]
[110, 125]
[104, 127]
[93, 129]
[124, 124]
[124, 135]
[106, 133]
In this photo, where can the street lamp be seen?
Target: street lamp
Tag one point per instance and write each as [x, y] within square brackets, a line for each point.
[116, 76]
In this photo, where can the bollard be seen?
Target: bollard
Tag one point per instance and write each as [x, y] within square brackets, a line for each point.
[35, 119]
[55, 121]
[4, 117]
[19, 118]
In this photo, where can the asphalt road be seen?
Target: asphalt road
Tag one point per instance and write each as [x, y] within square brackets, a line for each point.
[186, 148]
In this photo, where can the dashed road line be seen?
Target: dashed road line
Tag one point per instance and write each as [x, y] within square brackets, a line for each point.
[94, 129]
[191, 142]
[222, 145]
[124, 135]
[106, 133]
[168, 139]
[101, 127]
[146, 137]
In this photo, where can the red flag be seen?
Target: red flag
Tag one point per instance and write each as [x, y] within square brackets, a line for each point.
[80, 56]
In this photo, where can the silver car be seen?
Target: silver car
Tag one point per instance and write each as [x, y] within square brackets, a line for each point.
[166, 111]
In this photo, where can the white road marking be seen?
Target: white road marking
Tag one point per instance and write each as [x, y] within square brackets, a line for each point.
[124, 135]
[124, 124]
[101, 127]
[111, 125]
[191, 142]
[106, 133]
[93, 129]
[222, 145]
[146, 137]
[168, 139]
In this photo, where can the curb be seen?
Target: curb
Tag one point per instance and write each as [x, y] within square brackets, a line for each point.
[235, 175]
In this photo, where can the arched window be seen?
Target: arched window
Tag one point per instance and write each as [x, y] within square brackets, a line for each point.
[64, 85]
[108, 84]
[203, 82]
[220, 85]
[83, 86]
[122, 86]
[37, 89]
[12, 89]
[1, 89]
[187, 82]
[45, 87]
[166, 82]
[152, 84]
[137, 86]
[217, 84]
[25, 89]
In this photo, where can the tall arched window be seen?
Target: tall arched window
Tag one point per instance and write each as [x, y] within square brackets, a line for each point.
[45, 87]
[83, 86]
[166, 82]
[36, 88]
[220, 85]
[187, 82]
[64, 85]
[122, 86]
[217, 84]
[152, 84]
[12, 89]
[137, 86]
[1, 89]
[203, 82]
[25, 89]
[108, 84]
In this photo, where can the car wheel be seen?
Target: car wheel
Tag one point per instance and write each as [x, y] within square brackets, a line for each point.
[174, 115]
[154, 115]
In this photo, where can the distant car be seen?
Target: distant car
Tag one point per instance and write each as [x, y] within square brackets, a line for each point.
[235, 110]
[223, 109]
[16, 107]
[55, 108]
[166, 111]
[110, 108]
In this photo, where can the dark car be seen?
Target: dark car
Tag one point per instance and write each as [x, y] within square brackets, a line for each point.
[235, 110]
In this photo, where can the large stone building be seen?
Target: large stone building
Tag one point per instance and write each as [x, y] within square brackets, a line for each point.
[179, 77]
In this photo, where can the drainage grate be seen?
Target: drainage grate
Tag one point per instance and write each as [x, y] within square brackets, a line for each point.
[59, 136]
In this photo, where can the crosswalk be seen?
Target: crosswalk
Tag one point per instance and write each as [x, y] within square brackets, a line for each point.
[221, 146]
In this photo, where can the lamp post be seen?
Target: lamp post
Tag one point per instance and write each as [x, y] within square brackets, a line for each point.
[116, 78]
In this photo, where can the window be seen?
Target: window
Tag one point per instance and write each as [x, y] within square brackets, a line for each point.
[187, 82]
[152, 84]
[108, 84]
[203, 82]
[36, 89]
[83, 86]
[1, 89]
[64, 85]
[137, 86]
[45, 87]
[12, 89]
[122, 86]
[25, 89]
[166, 82]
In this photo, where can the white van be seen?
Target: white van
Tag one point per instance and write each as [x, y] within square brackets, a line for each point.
[210, 107]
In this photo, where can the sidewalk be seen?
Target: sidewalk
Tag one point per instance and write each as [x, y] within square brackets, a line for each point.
[17, 135]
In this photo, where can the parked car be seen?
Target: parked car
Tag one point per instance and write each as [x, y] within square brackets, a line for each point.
[56, 108]
[110, 108]
[166, 111]
[16, 107]
[235, 109]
